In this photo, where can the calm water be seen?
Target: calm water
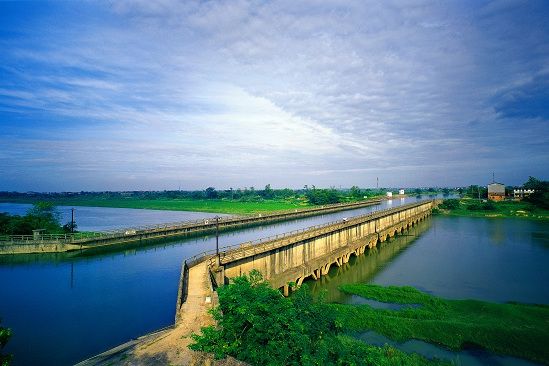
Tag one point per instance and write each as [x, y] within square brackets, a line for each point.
[105, 219]
[496, 260]
[64, 308]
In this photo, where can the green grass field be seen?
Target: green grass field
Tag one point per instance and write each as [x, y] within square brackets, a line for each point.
[513, 329]
[217, 206]
[504, 209]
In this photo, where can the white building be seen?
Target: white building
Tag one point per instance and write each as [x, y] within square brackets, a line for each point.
[389, 194]
[521, 193]
[401, 192]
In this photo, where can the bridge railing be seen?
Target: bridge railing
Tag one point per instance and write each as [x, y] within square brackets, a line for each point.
[262, 244]
[50, 237]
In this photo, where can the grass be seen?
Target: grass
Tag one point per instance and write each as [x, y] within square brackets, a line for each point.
[513, 329]
[503, 209]
[216, 206]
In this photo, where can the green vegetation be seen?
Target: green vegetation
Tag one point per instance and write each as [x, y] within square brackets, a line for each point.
[202, 205]
[476, 208]
[5, 335]
[42, 215]
[256, 324]
[512, 329]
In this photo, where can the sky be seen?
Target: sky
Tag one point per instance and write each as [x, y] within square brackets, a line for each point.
[166, 95]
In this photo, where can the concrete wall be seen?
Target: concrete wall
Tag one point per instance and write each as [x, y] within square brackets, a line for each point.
[39, 247]
[313, 253]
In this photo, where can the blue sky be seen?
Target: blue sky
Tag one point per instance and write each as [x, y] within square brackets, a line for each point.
[140, 95]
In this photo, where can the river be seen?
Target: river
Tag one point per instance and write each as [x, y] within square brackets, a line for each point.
[66, 307]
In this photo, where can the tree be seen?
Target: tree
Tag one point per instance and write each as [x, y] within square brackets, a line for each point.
[322, 196]
[256, 324]
[355, 192]
[44, 215]
[268, 192]
[211, 193]
[540, 197]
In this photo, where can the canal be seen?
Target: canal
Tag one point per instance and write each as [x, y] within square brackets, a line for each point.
[65, 307]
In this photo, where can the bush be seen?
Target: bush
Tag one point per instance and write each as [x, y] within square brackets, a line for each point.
[450, 204]
[482, 206]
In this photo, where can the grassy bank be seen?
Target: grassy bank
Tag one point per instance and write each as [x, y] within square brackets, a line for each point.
[513, 329]
[505, 209]
[216, 206]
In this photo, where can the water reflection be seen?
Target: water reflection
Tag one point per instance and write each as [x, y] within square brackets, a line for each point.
[364, 267]
[497, 232]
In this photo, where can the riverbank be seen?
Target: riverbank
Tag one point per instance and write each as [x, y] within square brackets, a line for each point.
[467, 207]
[512, 329]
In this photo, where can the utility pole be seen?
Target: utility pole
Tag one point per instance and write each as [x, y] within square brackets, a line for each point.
[377, 182]
[72, 220]
[217, 236]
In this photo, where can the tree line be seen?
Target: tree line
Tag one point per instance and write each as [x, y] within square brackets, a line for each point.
[310, 193]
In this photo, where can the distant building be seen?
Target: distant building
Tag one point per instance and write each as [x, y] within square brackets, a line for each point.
[389, 194]
[521, 193]
[401, 192]
[496, 191]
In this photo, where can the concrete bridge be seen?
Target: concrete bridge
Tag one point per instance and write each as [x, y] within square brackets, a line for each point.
[286, 260]
[52, 243]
